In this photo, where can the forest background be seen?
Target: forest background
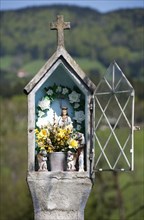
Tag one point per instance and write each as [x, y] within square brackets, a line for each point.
[94, 41]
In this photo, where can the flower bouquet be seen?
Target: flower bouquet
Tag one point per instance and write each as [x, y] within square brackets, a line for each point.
[54, 138]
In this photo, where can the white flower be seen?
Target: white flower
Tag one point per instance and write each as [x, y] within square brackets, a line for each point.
[44, 104]
[51, 116]
[65, 91]
[59, 89]
[76, 105]
[78, 127]
[40, 114]
[79, 116]
[74, 97]
[42, 122]
[48, 120]
[50, 92]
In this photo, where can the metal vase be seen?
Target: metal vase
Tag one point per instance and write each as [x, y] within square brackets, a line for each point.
[58, 161]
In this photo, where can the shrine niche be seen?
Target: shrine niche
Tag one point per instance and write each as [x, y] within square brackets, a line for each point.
[60, 103]
[60, 127]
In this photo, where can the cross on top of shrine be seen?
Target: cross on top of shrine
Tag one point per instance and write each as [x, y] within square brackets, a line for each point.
[60, 26]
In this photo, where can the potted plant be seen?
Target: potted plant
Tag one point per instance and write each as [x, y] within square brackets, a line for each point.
[58, 142]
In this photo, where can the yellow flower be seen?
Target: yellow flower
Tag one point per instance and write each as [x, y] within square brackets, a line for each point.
[73, 143]
[36, 131]
[40, 144]
[69, 128]
[42, 148]
[43, 133]
[54, 138]
[50, 149]
[61, 133]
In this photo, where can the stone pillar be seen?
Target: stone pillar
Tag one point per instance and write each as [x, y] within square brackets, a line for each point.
[59, 195]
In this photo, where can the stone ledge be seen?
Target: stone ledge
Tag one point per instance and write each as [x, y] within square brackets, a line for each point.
[59, 175]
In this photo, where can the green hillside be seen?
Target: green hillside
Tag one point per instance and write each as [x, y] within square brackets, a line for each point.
[26, 36]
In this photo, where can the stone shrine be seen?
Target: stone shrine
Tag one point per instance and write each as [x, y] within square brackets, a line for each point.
[60, 123]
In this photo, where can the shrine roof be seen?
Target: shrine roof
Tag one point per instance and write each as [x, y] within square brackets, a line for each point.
[60, 54]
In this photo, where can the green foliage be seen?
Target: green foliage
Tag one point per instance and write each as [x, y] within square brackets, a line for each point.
[6, 62]
[13, 150]
[100, 37]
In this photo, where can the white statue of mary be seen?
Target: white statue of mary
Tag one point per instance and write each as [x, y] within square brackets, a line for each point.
[64, 119]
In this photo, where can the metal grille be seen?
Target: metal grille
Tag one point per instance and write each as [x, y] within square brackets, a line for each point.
[114, 118]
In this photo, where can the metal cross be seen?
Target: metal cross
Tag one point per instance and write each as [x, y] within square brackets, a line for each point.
[60, 25]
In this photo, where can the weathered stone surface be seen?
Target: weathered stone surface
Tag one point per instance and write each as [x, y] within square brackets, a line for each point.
[60, 26]
[59, 195]
[58, 215]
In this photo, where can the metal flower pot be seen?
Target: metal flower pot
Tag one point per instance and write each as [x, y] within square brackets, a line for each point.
[58, 161]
